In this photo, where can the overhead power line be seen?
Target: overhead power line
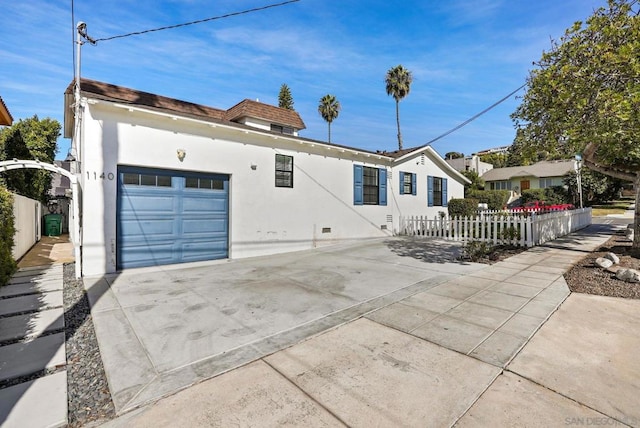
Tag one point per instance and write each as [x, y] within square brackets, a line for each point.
[199, 21]
[471, 119]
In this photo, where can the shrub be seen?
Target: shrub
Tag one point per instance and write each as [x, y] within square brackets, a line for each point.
[532, 195]
[463, 207]
[7, 230]
[551, 195]
[495, 199]
[477, 250]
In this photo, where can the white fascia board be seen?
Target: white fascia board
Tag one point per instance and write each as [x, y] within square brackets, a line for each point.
[330, 148]
[436, 158]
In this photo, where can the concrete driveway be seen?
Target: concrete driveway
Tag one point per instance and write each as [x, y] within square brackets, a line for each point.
[163, 329]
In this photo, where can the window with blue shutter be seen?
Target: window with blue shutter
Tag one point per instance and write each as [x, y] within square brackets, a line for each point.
[414, 189]
[357, 185]
[444, 192]
[369, 185]
[407, 183]
[382, 196]
[436, 191]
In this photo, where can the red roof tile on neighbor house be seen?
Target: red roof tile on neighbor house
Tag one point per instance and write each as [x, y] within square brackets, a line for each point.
[272, 114]
[5, 116]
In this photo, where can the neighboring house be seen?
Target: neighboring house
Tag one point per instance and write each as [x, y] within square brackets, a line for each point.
[470, 163]
[60, 193]
[165, 181]
[502, 150]
[5, 116]
[540, 175]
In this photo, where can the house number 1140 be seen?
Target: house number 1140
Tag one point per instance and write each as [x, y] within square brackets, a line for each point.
[94, 175]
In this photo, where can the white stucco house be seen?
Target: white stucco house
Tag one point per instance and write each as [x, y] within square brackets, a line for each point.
[164, 181]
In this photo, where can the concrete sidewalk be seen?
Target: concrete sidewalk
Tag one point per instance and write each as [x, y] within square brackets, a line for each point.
[32, 338]
[460, 352]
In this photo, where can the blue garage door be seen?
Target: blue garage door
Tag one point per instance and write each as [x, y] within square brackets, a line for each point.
[167, 217]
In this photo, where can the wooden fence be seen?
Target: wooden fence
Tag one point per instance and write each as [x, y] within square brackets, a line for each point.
[27, 214]
[499, 228]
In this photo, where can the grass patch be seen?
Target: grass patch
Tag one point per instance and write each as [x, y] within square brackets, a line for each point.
[603, 212]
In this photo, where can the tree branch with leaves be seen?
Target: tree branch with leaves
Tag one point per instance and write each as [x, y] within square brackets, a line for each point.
[584, 96]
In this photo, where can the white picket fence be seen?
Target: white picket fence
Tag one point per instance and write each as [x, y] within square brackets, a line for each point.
[500, 228]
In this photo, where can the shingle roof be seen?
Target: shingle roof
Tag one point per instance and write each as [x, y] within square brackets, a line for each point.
[399, 153]
[246, 108]
[540, 169]
[5, 116]
[258, 110]
[132, 96]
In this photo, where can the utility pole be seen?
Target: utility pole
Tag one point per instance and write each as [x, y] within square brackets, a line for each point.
[81, 37]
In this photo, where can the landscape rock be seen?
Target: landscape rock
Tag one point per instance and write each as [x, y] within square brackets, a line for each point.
[613, 257]
[628, 275]
[603, 263]
[629, 234]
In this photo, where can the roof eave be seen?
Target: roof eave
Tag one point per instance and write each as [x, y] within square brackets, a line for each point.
[436, 158]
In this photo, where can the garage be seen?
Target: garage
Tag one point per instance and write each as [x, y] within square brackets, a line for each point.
[166, 217]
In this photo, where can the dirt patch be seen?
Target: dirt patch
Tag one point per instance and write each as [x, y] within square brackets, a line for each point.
[585, 277]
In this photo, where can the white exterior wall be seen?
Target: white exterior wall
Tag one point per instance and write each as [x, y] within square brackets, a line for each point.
[27, 214]
[423, 166]
[263, 219]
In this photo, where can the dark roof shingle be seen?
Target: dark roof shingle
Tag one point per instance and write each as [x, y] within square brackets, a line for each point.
[246, 108]
[258, 110]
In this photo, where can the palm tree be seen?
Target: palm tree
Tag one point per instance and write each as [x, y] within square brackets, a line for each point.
[398, 80]
[329, 108]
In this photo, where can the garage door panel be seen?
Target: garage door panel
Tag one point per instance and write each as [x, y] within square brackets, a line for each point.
[141, 204]
[140, 255]
[214, 227]
[215, 203]
[139, 229]
[165, 224]
[195, 250]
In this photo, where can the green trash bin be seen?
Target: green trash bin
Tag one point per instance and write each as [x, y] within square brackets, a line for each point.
[53, 224]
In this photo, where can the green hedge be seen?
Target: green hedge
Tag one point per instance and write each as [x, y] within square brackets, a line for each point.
[551, 195]
[495, 199]
[7, 230]
[463, 207]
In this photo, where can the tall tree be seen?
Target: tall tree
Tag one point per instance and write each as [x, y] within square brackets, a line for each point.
[584, 97]
[29, 139]
[498, 160]
[398, 81]
[285, 100]
[329, 109]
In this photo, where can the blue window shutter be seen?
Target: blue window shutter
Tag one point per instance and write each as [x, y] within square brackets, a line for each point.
[413, 184]
[429, 191]
[357, 185]
[444, 192]
[401, 182]
[382, 189]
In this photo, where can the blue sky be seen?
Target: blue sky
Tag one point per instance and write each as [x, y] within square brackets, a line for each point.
[464, 55]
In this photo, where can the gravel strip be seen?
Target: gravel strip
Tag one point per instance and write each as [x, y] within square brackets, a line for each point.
[88, 391]
[585, 277]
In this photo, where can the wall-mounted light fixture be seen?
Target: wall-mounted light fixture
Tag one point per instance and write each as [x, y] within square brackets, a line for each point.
[181, 154]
